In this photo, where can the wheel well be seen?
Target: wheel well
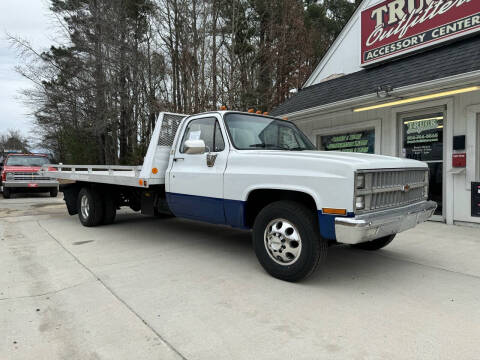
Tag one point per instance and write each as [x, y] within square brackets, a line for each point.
[258, 199]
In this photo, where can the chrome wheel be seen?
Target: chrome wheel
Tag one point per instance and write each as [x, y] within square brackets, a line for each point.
[283, 242]
[85, 206]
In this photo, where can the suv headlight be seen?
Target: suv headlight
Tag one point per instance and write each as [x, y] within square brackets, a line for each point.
[10, 176]
[360, 182]
[360, 202]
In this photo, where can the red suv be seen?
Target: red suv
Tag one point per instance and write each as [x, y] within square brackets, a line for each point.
[20, 173]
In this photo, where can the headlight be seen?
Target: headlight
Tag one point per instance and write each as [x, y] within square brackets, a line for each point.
[360, 181]
[10, 176]
[360, 202]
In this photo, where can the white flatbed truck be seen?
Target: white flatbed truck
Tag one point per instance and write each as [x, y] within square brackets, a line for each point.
[261, 173]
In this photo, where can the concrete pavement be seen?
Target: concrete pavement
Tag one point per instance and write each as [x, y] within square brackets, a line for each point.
[146, 288]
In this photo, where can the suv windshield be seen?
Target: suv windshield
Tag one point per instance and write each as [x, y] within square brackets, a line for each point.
[249, 132]
[26, 160]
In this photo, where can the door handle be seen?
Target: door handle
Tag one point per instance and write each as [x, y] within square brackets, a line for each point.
[176, 159]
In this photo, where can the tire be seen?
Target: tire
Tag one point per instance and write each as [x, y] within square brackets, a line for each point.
[7, 194]
[297, 222]
[93, 215]
[376, 244]
[110, 209]
[54, 193]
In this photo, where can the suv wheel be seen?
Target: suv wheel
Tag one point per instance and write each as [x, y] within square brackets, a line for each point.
[90, 207]
[287, 241]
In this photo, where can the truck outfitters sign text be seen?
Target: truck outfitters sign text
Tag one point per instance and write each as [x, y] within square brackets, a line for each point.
[396, 27]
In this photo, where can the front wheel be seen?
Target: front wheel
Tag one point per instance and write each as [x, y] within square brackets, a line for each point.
[54, 193]
[287, 241]
[376, 244]
[6, 193]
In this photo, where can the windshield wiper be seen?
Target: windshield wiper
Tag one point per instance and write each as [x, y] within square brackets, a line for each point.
[268, 146]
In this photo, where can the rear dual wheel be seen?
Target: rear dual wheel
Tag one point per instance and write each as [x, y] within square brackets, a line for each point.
[95, 209]
[376, 244]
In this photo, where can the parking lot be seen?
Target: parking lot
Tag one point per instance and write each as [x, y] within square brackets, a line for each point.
[146, 288]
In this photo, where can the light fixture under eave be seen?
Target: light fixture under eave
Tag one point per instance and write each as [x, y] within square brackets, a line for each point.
[419, 98]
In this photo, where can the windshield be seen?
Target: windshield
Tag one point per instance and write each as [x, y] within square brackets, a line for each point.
[27, 161]
[249, 132]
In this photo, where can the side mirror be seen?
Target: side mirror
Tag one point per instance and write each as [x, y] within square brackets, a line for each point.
[194, 147]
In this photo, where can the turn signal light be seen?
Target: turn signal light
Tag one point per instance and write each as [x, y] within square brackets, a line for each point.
[140, 182]
[223, 107]
[251, 110]
[335, 211]
[154, 171]
[285, 118]
[259, 112]
[265, 113]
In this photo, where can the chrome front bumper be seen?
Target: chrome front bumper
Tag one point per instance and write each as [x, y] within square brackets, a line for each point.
[31, 184]
[376, 225]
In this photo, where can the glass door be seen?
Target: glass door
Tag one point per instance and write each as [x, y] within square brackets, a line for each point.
[423, 140]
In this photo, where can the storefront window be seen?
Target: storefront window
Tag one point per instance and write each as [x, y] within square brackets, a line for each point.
[362, 141]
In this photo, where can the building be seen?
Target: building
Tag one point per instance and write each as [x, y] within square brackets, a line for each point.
[403, 79]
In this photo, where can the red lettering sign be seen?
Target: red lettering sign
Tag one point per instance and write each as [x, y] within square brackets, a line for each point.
[396, 27]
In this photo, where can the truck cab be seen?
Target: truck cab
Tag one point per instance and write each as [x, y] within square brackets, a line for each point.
[259, 173]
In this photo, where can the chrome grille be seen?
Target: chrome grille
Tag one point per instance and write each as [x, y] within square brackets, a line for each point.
[25, 176]
[385, 189]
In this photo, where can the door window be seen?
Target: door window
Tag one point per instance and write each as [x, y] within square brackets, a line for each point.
[423, 141]
[206, 129]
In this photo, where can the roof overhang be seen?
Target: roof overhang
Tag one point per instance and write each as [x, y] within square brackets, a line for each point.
[398, 93]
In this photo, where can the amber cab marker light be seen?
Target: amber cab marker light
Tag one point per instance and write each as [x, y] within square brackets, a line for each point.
[265, 113]
[285, 118]
[419, 98]
[223, 108]
[155, 171]
[251, 110]
[334, 211]
[140, 182]
[259, 112]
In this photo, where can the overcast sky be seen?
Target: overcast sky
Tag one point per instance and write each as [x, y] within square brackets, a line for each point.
[30, 20]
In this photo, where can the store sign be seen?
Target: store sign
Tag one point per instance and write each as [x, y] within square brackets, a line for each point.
[360, 142]
[396, 27]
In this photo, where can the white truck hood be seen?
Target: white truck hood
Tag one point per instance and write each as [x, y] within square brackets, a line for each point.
[355, 161]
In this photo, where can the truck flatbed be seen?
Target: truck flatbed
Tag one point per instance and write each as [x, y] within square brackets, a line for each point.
[104, 174]
[152, 172]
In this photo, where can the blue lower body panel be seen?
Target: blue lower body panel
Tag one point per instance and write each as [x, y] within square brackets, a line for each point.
[327, 225]
[208, 209]
[230, 212]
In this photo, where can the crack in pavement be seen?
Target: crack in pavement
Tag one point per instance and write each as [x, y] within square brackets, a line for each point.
[109, 289]
[44, 294]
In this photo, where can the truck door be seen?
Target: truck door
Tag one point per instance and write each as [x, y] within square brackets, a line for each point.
[195, 188]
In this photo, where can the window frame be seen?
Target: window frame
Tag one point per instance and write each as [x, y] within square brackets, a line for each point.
[217, 123]
[227, 129]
